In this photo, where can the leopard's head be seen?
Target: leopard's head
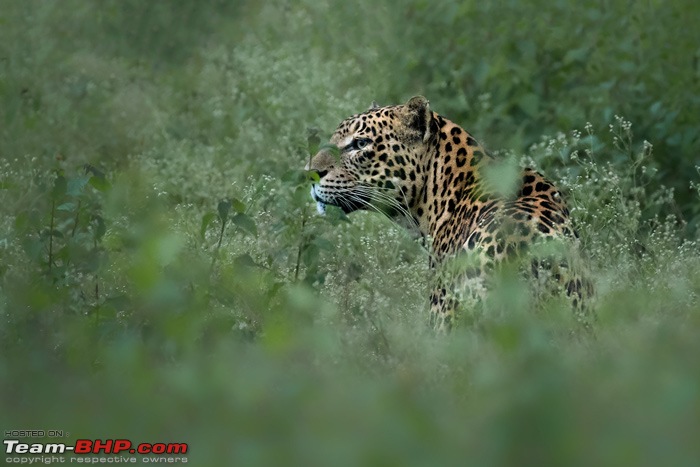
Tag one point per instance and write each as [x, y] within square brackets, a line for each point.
[381, 162]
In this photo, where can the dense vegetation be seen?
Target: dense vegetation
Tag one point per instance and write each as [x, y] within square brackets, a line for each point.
[164, 276]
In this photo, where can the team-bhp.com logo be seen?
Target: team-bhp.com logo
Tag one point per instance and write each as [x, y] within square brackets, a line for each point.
[16, 450]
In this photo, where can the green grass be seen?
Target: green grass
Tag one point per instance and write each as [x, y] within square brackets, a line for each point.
[180, 287]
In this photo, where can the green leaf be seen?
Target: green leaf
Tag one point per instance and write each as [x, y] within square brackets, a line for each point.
[51, 233]
[33, 248]
[323, 244]
[21, 221]
[245, 260]
[529, 103]
[354, 271]
[59, 187]
[66, 207]
[297, 176]
[237, 205]
[245, 222]
[76, 185]
[313, 176]
[334, 215]
[104, 311]
[119, 301]
[576, 55]
[91, 169]
[223, 208]
[507, 336]
[99, 183]
[206, 220]
[272, 291]
[309, 256]
[91, 261]
[100, 228]
[97, 179]
[312, 140]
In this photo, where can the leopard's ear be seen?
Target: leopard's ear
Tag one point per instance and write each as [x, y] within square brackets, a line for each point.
[421, 117]
[373, 105]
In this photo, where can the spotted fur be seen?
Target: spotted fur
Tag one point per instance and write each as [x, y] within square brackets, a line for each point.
[409, 162]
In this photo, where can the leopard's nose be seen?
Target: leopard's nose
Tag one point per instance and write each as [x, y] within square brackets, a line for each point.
[322, 163]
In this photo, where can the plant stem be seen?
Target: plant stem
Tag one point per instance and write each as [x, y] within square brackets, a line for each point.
[221, 235]
[218, 245]
[75, 222]
[53, 213]
[97, 278]
[301, 246]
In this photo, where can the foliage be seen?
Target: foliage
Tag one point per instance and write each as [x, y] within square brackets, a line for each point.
[164, 274]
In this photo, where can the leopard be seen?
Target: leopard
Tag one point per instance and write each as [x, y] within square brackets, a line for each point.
[429, 174]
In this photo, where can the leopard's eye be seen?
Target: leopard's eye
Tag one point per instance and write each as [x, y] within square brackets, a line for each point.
[362, 143]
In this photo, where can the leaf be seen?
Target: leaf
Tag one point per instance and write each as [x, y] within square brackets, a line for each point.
[245, 222]
[91, 261]
[297, 176]
[33, 248]
[272, 291]
[309, 255]
[66, 207]
[313, 176]
[245, 260]
[223, 208]
[237, 205]
[575, 55]
[100, 183]
[91, 169]
[105, 312]
[354, 271]
[51, 233]
[323, 244]
[76, 185]
[334, 215]
[312, 140]
[21, 221]
[119, 302]
[100, 229]
[507, 336]
[206, 220]
[59, 187]
[529, 103]
[98, 179]
[314, 276]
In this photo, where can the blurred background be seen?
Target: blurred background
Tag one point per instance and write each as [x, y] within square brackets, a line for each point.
[164, 276]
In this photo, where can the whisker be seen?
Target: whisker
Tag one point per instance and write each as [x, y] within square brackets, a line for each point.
[385, 197]
[375, 194]
[366, 203]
